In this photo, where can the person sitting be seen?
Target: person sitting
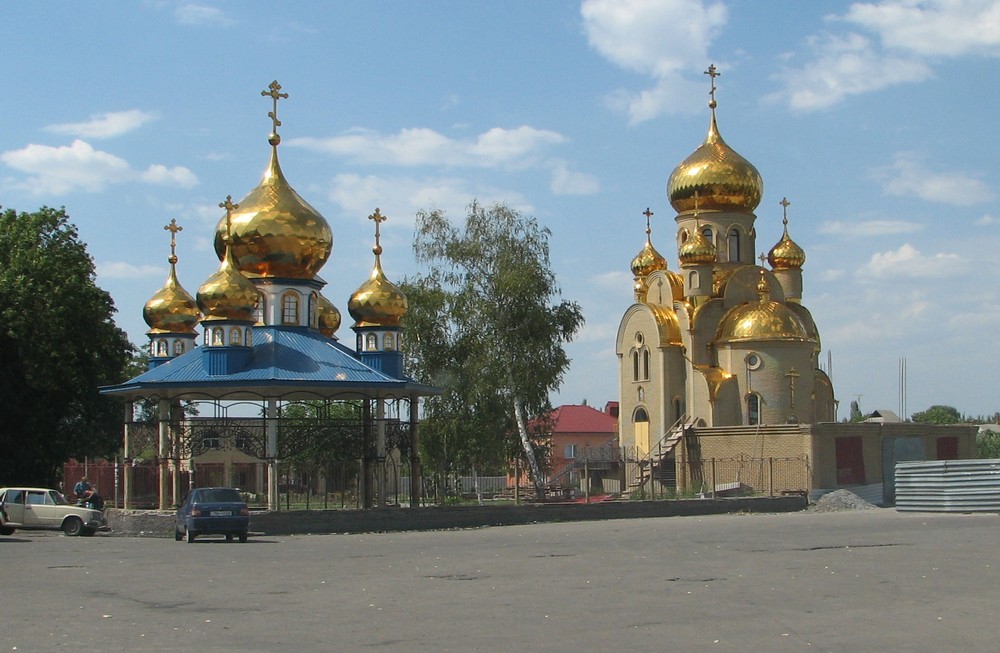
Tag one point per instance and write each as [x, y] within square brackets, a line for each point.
[86, 494]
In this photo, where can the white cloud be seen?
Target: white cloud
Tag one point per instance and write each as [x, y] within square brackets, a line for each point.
[200, 15]
[908, 262]
[988, 220]
[660, 39]
[933, 28]
[832, 275]
[122, 270]
[568, 182]
[907, 177]
[60, 170]
[842, 66]
[105, 125]
[402, 197]
[869, 228]
[421, 146]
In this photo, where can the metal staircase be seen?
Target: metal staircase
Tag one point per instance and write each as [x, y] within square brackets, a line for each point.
[651, 467]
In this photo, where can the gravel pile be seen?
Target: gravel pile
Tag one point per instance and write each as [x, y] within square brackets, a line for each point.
[842, 500]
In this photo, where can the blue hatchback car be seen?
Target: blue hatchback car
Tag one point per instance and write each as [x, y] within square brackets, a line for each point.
[212, 511]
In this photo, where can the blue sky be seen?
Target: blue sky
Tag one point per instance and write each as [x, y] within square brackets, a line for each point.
[876, 119]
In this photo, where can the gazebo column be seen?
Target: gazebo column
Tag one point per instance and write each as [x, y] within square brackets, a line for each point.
[367, 451]
[415, 472]
[164, 452]
[176, 433]
[272, 454]
[380, 466]
[127, 489]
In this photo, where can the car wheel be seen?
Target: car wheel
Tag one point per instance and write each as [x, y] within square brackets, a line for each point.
[190, 535]
[7, 530]
[73, 526]
[243, 537]
[178, 536]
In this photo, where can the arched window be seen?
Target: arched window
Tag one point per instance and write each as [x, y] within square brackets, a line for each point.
[260, 309]
[734, 244]
[753, 409]
[249, 338]
[208, 337]
[389, 343]
[640, 415]
[290, 308]
[161, 347]
[178, 347]
[313, 313]
[217, 337]
[645, 364]
[635, 365]
[371, 342]
[677, 409]
[235, 336]
[707, 233]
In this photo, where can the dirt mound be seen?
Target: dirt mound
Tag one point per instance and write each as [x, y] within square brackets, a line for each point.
[842, 500]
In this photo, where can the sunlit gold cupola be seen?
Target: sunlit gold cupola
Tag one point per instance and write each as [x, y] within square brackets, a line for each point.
[328, 317]
[227, 294]
[786, 254]
[765, 319]
[724, 179]
[378, 302]
[647, 261]
[172, 309]
[275, 233]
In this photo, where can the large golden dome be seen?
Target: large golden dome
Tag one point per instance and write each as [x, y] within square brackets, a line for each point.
[275, 232]
[172, 309]
[723, 179]
[764, 319]
[328, 316]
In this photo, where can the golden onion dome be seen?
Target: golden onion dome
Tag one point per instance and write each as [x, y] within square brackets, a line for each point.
[172, 309]
[276, 233]
[648, 260]
[328, 317]
[764, 319]
[724, 180]
[378, 302]
[227, 294]
[696, 250]
[786, 254]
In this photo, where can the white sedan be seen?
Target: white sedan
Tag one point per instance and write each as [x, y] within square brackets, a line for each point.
[41, 508]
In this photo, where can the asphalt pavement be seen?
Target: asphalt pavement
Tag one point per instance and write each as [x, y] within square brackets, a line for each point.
[845, 581]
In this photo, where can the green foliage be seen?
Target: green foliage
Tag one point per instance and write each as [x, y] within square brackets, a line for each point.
[484, 323]
[938, 415]
[58, 345]
[988, 445]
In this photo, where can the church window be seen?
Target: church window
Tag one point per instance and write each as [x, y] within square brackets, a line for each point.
[259, 309]
[359, 342]
[235, 336]
[645, 364]
[161, 347]
[639, 338]
[217, 337]
[693, 280]
[734, 244]
[389, 342]
[635, 365]
[313, 313]
[290, 308]
[753, 409]
[249, 338]
[640, 415]
[178, 347]
[371, 342]
[677, 409]
[707, 233]
[753, 361]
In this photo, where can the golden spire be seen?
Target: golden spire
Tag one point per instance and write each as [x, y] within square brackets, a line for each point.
[378, 302]
[273, 91]
[786, 254]
[172, 309]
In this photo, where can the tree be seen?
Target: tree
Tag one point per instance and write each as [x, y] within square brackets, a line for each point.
[497, 325]
[938, 415]
[58, 345]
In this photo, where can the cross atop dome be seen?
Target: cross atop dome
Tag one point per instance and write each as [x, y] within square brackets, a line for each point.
[273, 90]
[712, 72]
[648, 215]
[173, 228]
[379, 219]
[784, 210]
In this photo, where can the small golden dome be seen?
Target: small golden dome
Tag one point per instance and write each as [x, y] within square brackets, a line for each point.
[227, 294]
[378, 302]
[764, 319]
[724, 180]
[328, 316]
[696, 250]
[648, 260]
[786, 254]
[172, 309]
[276, 233]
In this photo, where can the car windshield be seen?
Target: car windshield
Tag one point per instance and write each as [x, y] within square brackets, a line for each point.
[57, 498]
[218, 495]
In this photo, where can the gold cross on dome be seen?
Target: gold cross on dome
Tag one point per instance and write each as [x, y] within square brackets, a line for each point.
[273, 91]
[763, 258]
[173, 228]
[378, 218]
[784, 209]
[712, 72]
[792, 375]
[229, 207]
[648, 215]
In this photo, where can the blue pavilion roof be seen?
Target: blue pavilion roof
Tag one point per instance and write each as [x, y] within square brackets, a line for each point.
[282, 361]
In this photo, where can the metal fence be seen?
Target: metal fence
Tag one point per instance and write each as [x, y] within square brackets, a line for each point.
[948, 486]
